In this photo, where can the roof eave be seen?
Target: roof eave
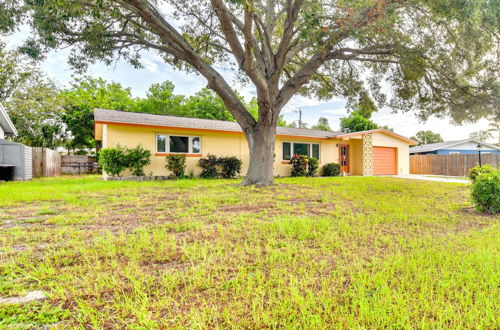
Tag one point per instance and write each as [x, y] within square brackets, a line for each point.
[455, 144]
[379, 130]
[10, 129]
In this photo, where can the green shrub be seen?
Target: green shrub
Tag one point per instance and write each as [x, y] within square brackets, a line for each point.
[176, 164]
[485, 192]
[137, 159]
[208, 166]
[230, 167]
[299, 165]
[331, 169]
[478, 170]
[312, 167]
[113, 160]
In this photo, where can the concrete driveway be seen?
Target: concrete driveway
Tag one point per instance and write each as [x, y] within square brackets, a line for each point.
[437, 178]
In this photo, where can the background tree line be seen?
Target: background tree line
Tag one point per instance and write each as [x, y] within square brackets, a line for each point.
[46, 115]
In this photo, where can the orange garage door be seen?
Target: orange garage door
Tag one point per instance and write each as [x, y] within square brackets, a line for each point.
[385, 161]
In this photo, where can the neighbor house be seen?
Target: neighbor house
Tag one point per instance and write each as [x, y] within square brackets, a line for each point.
[6, 126]
[467, 146]
[15, 158]
[374, 152]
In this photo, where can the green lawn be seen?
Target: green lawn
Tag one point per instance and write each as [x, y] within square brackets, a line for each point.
[305, 253]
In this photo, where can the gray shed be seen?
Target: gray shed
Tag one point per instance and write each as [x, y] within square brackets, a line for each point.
[15, 161]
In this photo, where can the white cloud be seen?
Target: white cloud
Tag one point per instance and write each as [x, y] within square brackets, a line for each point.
[341, 111]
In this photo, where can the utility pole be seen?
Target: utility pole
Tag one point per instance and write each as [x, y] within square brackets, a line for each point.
[300, 116]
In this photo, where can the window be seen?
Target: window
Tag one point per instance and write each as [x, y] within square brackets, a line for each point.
[287, 150]
[161, 145]
[196, 145]
[315, 151]
[178, 144]
[302, 149]
[306, 149]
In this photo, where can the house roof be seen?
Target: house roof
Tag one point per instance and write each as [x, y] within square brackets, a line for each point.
[6, 123]
[104, 116]
[378, 130]
[138, 118]
[448, 144]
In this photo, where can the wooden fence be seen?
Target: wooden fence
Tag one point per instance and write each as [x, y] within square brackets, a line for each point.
[46, 162]
[452, 165]
[73, 164]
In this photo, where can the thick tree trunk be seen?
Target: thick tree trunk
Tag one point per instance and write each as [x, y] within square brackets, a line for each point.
[261, 145]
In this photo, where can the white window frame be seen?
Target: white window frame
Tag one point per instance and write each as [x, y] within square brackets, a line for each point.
[167, 144]
[291, 149]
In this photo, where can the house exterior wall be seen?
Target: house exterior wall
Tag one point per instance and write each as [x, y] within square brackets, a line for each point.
[98, 129]
[382, 140]
[2, 133]
[356, 157]
[218, 143]
[469, 146]
[328, 153]
[234, 144]
[463, 148]
[460, 151]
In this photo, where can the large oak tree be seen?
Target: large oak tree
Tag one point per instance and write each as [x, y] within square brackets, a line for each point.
[433, 57]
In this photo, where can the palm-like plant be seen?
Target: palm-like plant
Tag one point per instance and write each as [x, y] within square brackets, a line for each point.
[495, 128]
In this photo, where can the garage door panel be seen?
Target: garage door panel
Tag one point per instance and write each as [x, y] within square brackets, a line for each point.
[385, 161]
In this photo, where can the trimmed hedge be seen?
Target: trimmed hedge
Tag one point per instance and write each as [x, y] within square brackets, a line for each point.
[115, 160]
[230, 167]
[478, 170]
[176, 164]
[485, 192]
[225, 167]
[299, 165]
[137, 159]
[312, 166]
[303, 165]
[331, 169]
[208, 166]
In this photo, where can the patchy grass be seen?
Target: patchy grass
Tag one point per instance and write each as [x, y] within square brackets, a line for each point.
[347, 252]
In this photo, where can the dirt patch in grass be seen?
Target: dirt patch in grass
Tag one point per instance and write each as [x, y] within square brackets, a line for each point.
[466, 226]
[246, 208]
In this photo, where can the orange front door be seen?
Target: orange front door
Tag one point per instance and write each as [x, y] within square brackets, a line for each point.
[344, 158]
[385, 161]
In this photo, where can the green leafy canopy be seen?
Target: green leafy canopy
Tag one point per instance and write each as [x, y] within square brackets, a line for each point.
[431, 57]
[426, 137]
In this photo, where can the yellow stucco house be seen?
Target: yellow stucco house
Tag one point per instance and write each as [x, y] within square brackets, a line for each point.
[374, 152]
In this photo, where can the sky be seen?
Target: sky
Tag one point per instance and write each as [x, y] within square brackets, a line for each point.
[155, 70]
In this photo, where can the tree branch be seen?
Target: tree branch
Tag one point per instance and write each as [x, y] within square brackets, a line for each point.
[293, 9]
[215, 81]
